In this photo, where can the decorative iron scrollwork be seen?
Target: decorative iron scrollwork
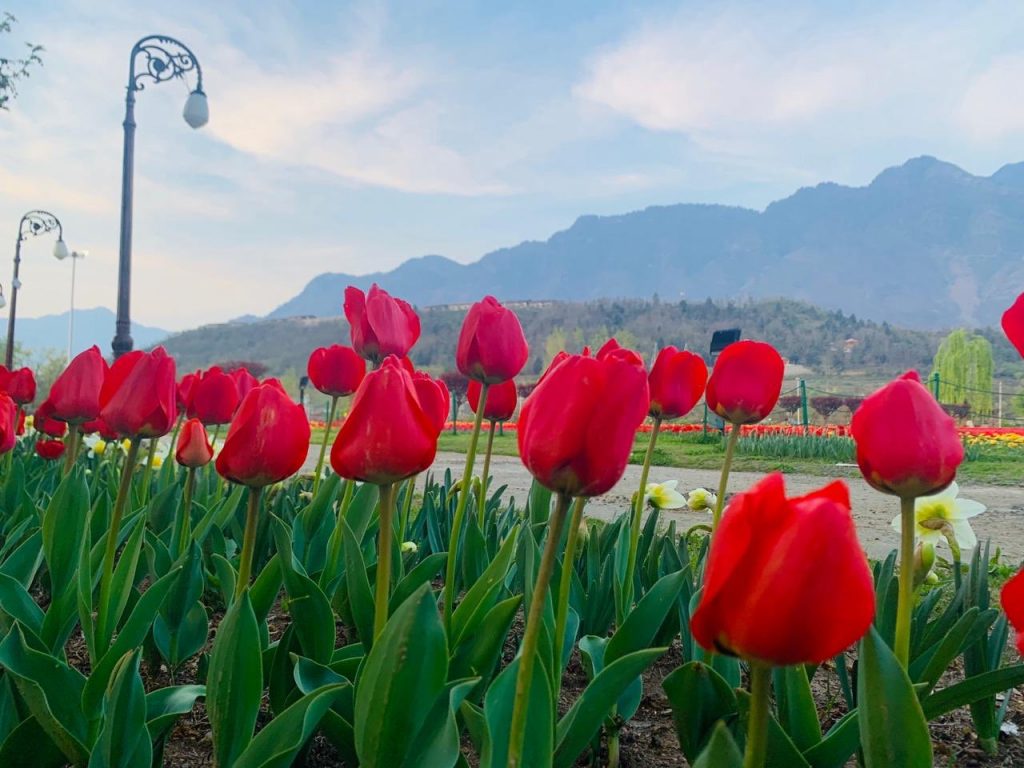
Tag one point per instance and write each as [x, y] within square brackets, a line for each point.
[156, 59]
[37, 223]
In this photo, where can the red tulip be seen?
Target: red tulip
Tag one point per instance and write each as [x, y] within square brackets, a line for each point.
[336, 370]
[268, 440]
[145, 403]
[380, 324]
[389, 434]
[1012, 600]
[1013, 324]
[9, 418]
[193, 449]
[214, 397]
[492, 347]
[75, 395]
[116, 375]
[21, 422]
[51, 450]
[677, 381]
[5, 377]
[787, 581]
[245, 381]
[576, 429]
[501, 399]
[185, 388]
[434, 397]
[44, 422]
[906, 444]
[21, 386]
[746, 382]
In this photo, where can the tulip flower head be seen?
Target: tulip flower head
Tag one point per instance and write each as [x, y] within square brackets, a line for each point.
[8, 422]
[268, 439]
[787, 581]
[21, 386]
[1012, 600]
[492, 347]
[245, 382]
[907, 445]
[214, 397]
[501, 399]
[75, 394]
[434, 397]
[943, 515]
[664, 495]
[51, 450]
[144, 400]
[1013, 324]
[391, 430]
[576, 429]
[336, 370]
[380, 324]
[193, 449]
[746, 382]
[677, 381]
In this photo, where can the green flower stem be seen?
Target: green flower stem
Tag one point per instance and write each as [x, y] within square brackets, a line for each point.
[252, 519]
[757, 725]
[564, 588]
[634, 524]
[71, 448]
[174, 437]
[410, 489]
[323, 445]
[186, 511]
[528, 651]
[723, 483]
[148, 474]
[482, 513]
[906, 594]
[113, 531]
[384, 543]
[460, 508]
[337, 542]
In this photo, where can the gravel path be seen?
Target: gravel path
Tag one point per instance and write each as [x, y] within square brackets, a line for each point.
[873, 512]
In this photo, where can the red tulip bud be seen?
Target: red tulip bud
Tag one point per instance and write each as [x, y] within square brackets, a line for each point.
[75, 395]
[185, 388]
[492, 347]
[51, 450]
[145, 403]
[9, 418]
[193, 449]
[677, 381]
[501, 399]
[906, 444]
[336, 370]
[45, 423]
[390, 433]
[746, 381]
[21, 386]
[268, 439]
[787, 581]
[380, 324]
[576, 429]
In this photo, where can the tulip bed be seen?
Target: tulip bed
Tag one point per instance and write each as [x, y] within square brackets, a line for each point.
[221, 608]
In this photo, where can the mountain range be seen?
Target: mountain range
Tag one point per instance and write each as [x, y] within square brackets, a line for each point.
[92, 326]
[924, 245]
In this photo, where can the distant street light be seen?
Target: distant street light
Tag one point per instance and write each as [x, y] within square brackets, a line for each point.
[32, 223]
[160, 58]
[75, 256]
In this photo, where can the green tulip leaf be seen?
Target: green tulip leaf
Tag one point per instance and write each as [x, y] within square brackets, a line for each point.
[359, 594]
[165, 705]
[123, 740]
[538, 741]
[424, 572]
[973, 689]
[280, 741]
[29, 746]
[63, 527]
[478, 655]
[480, 598]
[893, 730]
[798, 714]
[721, 751]
[838, 745]
[700, 697]
[437, 744]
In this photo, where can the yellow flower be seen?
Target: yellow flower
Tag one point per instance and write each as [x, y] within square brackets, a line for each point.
[664, 495]
[30, 421]
[158, 461]
[701, 498]
[409, 546]
[99, 447]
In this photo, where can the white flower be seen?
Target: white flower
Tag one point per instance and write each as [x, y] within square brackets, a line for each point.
[409, 546]
[664, 495]
[701, 498]
[943, 513]
[96, 445]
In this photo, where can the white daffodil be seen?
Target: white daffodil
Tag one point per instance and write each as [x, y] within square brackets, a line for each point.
[701, 498]
[409, 546]
[96, 445]
[664, 495]
[944, 514]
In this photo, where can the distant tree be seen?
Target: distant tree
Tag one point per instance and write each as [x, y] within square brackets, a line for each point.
[958, 411]
[254, 367]
[556, 342]
[853, 403]
[457, 385]
[964, 365]
[790, 403]
[826, 405]
[17, 68]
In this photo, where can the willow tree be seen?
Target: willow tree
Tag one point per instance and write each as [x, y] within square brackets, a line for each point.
[964, 366]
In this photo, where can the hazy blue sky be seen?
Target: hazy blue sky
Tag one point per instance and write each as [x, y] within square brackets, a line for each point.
[349, 137]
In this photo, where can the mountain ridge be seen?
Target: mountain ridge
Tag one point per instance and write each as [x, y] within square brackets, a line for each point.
[956, 238]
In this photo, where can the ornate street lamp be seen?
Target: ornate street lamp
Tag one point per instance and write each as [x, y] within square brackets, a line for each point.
[32, 223]
[154, 59]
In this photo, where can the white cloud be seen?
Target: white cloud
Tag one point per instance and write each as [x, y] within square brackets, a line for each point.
[991, 107]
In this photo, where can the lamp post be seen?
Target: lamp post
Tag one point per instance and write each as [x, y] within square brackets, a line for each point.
[74, 256]
[154, 59]
[32, 223]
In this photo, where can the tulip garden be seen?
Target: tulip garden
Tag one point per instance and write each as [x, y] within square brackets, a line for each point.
[175, 591]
